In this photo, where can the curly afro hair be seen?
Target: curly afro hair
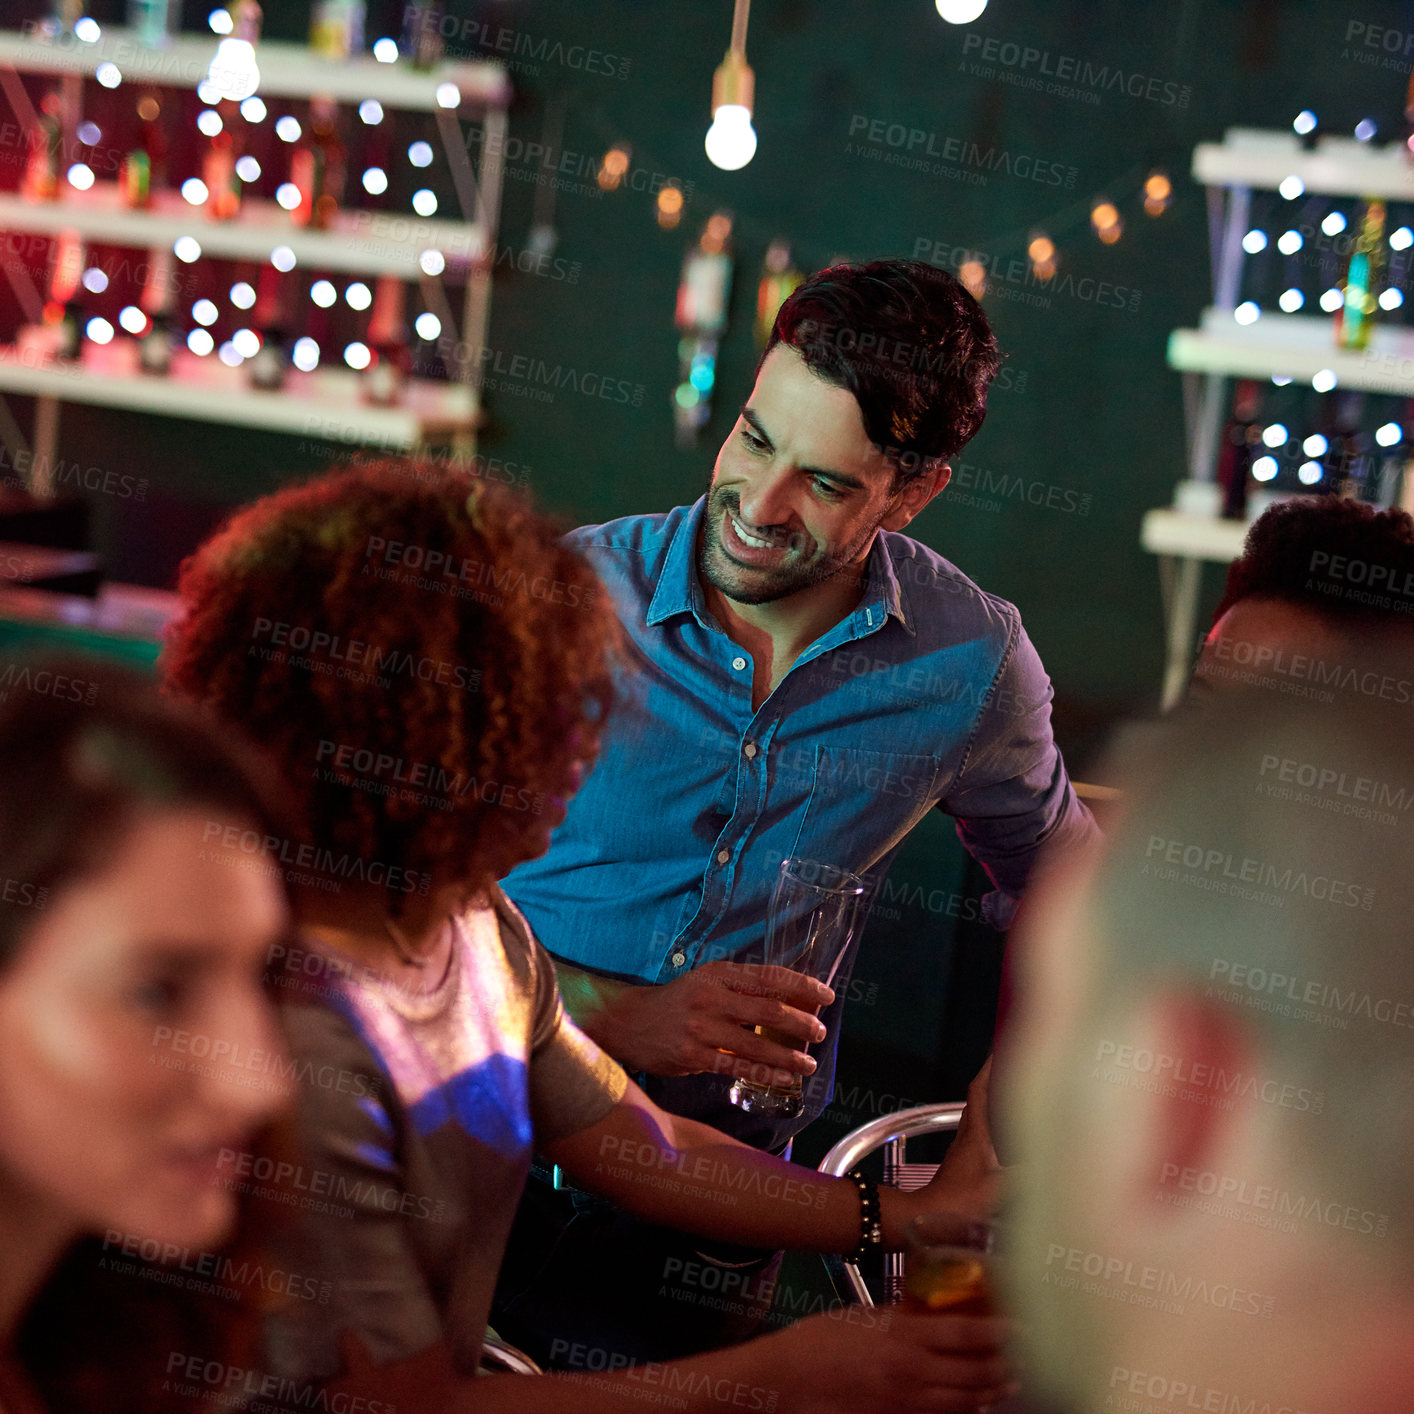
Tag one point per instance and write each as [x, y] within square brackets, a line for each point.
[1333, 556]
[908, 341]
[419, 654]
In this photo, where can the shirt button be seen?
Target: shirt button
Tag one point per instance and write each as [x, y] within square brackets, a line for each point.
[723, 855]
[750, 750]
[738, 663]
[679, 958]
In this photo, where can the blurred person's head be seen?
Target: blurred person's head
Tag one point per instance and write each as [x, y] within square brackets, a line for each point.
[873, 376]
[1317, 576]
[420, 656]
[1211, 1087]
[118, 934]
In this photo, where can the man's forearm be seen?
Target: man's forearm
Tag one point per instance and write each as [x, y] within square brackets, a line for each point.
[593, 1002]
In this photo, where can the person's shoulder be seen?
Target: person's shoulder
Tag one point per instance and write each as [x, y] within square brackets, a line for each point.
[938, 592]
[642, 534]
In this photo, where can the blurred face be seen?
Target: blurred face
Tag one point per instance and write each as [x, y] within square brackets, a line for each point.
[798, 491]
[136, 1039]
[1262, 638]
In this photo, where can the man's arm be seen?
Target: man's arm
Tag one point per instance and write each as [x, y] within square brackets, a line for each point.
[701, 1021]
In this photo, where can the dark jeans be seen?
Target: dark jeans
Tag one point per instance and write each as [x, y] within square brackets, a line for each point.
[585, 1285]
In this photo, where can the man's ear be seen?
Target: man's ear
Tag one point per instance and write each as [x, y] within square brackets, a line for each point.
[916, 494]
[1202, 1052]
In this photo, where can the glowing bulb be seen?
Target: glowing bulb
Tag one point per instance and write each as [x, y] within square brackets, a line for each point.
[247, 168]
[448, 95]
[375, 181]
[287, 128]
[194, 191]
[242, 296]
[230, 355]
[287, 195]
[89, 133]
[305, 354]
[960, 12]
[1315, 445]
[234, 72]
[1391, 298]
[357, 356]
[1254, 241]
[1332, 300]
[358, 295]
[1304, 122]
[1264, 468]
[1334, 224]
[100, 331]
[1309, 473]
[1291, 300]
[246, 342]
[208, 92]
[204, 311]
[108, 75]
[385, 50]
[1247, 312]
[253, 110]
[220, 21]
[94, 280]
[323, 293]
[1324, 381]
[1291, 187]
[200, 342]
[80, 176]
[420, 154]
[132, 319]
[1280, 380]
[187, 249]
[1400, 239]
[424, 202]
[432, 262]
[1364, 130]
[427, 324]
[1290, 242]
[282, 258]
[87, 30]
[1391, 434]
[1275, 435]
[208, 121]
[731, 140]
[371, 111]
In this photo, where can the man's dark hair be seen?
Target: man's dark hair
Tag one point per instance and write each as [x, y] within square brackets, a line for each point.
[1333, 556]
[911, 345]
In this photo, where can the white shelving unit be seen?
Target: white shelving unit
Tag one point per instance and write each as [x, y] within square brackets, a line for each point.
[361, 241]
[1275, 345]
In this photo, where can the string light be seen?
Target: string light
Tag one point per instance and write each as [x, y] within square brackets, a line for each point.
[669, 206]
[612, 168]
[1158, 192]
[973, 275]
[731, 140]
[1105, 218]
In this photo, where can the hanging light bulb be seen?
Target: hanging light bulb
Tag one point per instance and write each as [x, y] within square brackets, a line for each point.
[234, 74]
[731, 140]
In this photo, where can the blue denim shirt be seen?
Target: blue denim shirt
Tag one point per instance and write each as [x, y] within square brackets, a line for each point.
[928, 696]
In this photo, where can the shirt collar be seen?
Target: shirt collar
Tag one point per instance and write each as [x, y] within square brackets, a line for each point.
[680, 592]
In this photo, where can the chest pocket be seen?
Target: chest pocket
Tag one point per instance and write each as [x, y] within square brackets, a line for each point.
[862, 803]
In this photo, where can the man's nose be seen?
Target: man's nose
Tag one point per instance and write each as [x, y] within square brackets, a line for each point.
[765, 501]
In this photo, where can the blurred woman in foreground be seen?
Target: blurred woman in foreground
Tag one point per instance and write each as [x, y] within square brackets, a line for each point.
[126, 952]
[427, 664]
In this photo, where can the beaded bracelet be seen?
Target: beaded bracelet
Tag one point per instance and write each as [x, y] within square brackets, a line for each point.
[871, 1227]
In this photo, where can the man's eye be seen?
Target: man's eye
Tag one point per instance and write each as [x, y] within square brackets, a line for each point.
[158, 995]
[827, 490]
[757, 444]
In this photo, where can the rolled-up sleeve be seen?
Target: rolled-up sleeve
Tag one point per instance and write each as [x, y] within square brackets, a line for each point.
[1012, 794]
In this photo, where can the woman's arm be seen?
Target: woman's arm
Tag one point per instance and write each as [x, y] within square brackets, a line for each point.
[683, 1174]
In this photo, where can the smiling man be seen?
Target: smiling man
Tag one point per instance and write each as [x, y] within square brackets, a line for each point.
[800, 679]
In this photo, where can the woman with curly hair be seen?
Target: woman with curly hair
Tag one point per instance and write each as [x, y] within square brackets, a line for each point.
[138, 1043]
[427, 665]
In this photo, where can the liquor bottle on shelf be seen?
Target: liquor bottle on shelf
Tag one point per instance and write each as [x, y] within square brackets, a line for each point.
[1360, 306]
[154, 346]
[386, 374]
[421, 41]
[218, 171]
[778, 278]
[41, 179]
[318, 166]
[336, 28]
[270, 317]
[1235, 454]
[152, 20]
[63, 310]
